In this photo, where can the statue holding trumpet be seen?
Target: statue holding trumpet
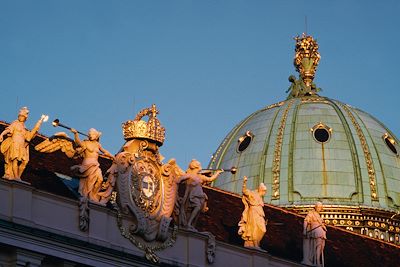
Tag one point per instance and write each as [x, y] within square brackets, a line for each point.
[15, 147]
[195, 200]
[91, 185]
[91, 178]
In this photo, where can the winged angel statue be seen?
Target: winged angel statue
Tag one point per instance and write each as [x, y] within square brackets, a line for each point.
[91, 184]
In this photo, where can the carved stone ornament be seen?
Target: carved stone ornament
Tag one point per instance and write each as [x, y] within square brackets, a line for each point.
[84, 218]
[146, 189]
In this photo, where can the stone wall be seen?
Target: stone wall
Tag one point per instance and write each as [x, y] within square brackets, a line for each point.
[41, 229]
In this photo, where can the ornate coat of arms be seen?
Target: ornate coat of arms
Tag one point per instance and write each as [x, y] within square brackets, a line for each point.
[146, 189]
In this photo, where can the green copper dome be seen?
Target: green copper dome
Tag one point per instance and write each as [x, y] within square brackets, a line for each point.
[310, 148]
[313, 148]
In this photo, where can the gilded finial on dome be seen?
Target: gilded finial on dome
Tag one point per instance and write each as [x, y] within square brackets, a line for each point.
[306, 61]
[306, 58]
[150, 130]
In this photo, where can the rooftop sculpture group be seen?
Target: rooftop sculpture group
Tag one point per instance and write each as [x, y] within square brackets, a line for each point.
[140, 186]
[144, 191]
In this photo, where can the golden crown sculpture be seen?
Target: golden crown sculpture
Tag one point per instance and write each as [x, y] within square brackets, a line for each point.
[138, 128]
[306, 58]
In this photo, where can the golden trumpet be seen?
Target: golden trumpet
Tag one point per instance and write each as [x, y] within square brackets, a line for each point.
[232, 170]
[56, 123]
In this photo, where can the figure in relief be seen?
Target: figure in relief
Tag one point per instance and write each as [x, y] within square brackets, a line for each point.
[194, 200]
[252, 224]
[15, 147]
[314, 233]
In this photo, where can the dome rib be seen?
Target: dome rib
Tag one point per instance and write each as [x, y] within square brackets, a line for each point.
[354, 153]
[337, 172]
[261, 177]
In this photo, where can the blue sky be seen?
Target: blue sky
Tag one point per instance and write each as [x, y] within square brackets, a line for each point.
[205, 64]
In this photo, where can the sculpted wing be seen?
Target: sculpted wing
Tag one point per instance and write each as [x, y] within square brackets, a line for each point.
[59, 141]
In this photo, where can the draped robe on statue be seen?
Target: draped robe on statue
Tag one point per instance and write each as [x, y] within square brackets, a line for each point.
[314, 239]
[252, 225]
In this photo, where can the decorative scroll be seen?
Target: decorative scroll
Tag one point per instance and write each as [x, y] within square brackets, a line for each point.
[367, 154]
[148, 249]
[314, 100]
[277, 154]
[275, 105]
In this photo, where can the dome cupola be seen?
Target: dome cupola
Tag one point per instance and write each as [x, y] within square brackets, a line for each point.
[311, 148]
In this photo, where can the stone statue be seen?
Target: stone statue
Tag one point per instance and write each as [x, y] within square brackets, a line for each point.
[295, 88]
[15, 147]
[252, 224]
[194, 200]
[298, 88]
[314, 232]
[91, 183]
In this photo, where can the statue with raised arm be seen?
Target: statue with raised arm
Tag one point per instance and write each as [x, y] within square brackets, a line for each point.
[194, 200]
[314, 236]
[252, 224]
[91, 178]
[91, 185]
[15, 147]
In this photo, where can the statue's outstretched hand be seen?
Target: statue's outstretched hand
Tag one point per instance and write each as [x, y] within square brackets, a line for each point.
[44, 118]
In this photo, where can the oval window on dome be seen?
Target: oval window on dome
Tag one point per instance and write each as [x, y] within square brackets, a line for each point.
[321, 133]
[244, 141]
[390, 143]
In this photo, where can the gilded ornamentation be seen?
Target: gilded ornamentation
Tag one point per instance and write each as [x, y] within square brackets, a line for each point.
[216, 154]
[146, 189]
[277, 153]
[367, 154]
[275, 105]
[372, 222]
[306, 58]
[139, 129]
[314, 100]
